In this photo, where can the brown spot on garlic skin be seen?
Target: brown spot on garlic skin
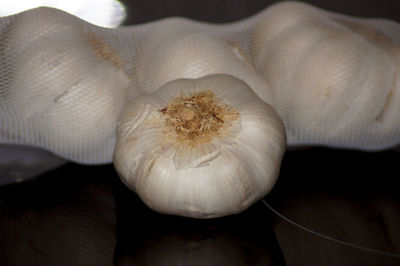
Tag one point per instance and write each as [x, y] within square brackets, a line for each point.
[389, 96]
[371, 34]
[197, 118]
[151, 165]
[103, 50]
[381, 113]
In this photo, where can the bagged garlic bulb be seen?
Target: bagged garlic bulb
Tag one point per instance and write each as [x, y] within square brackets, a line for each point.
[177, 51]
[334, 78]
[201, 148]
[61, 90]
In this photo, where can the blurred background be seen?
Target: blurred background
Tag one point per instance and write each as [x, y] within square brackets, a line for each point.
[84, 215]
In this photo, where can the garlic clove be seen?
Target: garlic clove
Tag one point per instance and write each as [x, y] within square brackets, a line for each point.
[213, 162]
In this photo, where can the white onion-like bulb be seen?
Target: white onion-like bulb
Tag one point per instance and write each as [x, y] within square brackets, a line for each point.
[201, 148]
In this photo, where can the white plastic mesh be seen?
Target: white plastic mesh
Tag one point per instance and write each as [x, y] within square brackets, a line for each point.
[333, 79]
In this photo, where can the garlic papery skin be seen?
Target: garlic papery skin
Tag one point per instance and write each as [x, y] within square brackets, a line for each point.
[202, 148]
[334, 78]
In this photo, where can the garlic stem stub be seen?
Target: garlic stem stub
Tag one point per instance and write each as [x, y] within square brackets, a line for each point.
[201, 148]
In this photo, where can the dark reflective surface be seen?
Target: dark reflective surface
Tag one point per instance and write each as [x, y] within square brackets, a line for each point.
[65, 217]
[349, 195]
[81, 215]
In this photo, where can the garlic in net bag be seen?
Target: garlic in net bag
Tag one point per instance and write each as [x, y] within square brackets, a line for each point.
[332, 79]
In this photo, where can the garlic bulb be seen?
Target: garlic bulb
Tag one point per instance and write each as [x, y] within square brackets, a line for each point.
[201, 148]
[67, 91]
[184, 54]
[334, 78]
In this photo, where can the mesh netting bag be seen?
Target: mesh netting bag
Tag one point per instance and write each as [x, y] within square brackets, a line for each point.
[333, 79]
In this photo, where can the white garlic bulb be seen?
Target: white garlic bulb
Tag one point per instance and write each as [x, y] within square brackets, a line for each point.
[201, 148]
[68, 92]
[184, 54]
[334, 78]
